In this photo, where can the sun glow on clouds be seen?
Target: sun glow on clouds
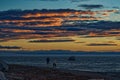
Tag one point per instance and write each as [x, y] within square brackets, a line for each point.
[71, 43]
[47, 18]
[53, 29]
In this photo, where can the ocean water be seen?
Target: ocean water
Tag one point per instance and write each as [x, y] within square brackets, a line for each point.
[81, 63]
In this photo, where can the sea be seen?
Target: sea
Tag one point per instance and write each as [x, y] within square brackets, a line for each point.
[81, 63]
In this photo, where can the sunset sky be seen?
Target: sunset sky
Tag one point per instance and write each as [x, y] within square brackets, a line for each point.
[75, 25]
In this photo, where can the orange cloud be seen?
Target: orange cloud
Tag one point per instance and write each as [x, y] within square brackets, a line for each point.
[54, 18]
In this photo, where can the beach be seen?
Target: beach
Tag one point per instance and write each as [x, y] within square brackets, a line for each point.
[82, 68]
[23, 72]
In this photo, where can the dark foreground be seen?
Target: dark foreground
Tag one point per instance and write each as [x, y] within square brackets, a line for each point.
[20, 72]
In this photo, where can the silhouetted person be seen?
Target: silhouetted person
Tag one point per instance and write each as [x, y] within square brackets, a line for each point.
[47, 60]
[54, 65]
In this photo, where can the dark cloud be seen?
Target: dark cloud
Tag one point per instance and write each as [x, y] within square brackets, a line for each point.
[91, 30]
[27, 24]
[47, 18]
[110, 42]
[79, 0]
[9, 47]
[116, 7]
[105, 25]
[118, 38]
[44, 17]
[89, 36]
[91, 6]
[56, 40]
[69, 0]
[101, 44]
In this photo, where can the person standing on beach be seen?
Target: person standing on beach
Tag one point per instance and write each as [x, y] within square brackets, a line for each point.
[47, 60]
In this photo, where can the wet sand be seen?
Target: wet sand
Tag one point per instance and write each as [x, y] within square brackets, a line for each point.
[21, 72]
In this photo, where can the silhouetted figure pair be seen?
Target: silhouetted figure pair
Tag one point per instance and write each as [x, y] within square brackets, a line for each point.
[48, 62]
[54, 65]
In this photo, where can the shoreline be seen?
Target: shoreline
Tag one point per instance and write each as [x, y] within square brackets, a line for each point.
[23, 72]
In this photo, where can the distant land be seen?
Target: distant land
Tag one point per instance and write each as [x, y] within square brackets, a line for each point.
[57, 53]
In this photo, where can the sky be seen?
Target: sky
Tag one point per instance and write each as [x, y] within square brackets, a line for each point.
[75, 25]
[54, 4]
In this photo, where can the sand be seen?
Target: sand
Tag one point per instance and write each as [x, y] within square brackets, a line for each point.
[22, 72]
